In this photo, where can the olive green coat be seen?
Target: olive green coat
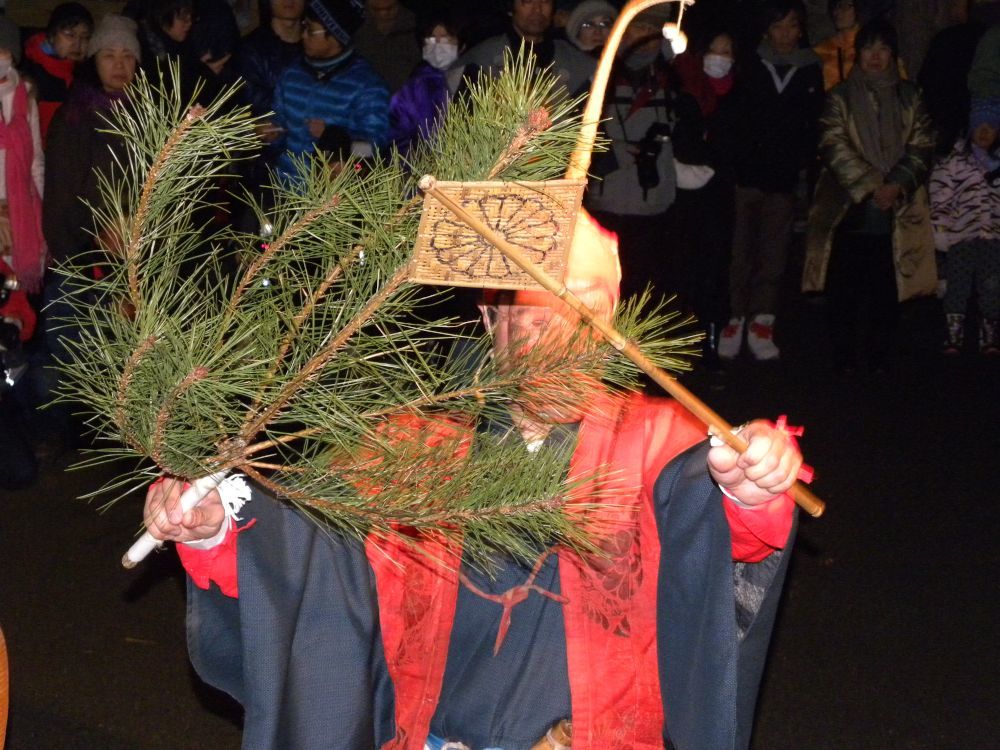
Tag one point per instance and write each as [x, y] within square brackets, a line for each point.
[847, 178]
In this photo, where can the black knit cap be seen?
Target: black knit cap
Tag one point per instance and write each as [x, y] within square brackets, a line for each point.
[341, 18]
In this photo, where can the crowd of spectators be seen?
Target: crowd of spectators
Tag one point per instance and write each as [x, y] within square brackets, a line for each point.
[719, 155]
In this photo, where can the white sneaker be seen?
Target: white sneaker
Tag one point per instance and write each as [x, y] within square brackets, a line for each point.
[731, 339]
[760, 338]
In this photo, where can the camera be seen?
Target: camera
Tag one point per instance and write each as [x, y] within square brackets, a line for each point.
[646, 159]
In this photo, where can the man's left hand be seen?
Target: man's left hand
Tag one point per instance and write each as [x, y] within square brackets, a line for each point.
[767, 468]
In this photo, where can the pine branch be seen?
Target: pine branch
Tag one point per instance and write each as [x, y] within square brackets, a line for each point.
[293, 380]
[257, 423]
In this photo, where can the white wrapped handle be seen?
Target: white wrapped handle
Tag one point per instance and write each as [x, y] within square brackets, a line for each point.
[191, 497]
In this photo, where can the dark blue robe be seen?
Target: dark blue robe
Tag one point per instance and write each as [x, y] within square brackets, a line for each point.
[301, 650]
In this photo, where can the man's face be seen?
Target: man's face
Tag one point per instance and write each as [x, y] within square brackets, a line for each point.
[538, 325]
[71, 43]
[287, 10]
[642, 37]
[317, 43]
[532, 18]
[383, 12]
[784, 34]
[844, 15]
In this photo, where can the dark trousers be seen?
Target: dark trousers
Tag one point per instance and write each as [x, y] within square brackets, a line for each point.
[863, 305]
[974, 264]
[762, 234]
[699, 259]
[18, 467]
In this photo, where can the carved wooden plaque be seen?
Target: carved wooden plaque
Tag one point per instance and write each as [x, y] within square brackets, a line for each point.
[537, 217]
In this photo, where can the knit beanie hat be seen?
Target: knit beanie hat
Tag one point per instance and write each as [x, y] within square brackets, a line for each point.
[341, 18]
[584, 12]
[114, 32]
[656, 16]
[984, 109]
[10, 38]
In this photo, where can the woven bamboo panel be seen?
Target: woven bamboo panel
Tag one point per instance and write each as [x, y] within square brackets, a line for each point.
[537, 217]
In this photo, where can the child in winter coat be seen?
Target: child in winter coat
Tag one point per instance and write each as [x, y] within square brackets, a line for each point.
[965, 212]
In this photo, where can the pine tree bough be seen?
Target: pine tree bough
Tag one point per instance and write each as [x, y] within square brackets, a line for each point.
[299, 366]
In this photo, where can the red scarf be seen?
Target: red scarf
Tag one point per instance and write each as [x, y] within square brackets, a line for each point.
[57, 67]
[23, 201]
[706, 90]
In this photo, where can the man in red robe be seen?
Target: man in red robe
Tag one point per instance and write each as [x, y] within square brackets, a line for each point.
[656, 642]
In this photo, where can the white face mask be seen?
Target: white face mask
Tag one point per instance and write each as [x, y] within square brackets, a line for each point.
[717, 66]
[440, 53]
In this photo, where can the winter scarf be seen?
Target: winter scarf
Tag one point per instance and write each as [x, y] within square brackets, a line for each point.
[873, 103]
[23, 202]
[801, 57]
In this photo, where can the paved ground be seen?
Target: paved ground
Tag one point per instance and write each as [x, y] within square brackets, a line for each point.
[886, 638]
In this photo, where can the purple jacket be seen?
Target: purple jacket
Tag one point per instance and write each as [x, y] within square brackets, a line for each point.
[415, 107]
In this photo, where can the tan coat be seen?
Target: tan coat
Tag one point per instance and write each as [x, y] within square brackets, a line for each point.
[847, 179]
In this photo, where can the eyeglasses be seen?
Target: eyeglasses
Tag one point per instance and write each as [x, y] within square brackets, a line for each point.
[75, 36]
[321, 31]
[600, 24]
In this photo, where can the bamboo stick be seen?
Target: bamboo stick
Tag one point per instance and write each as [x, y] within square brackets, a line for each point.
[579, 162]
[716, 424]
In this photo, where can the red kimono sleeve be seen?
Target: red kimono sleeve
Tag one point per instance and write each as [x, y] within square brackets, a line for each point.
[217, 564]
[756, 532]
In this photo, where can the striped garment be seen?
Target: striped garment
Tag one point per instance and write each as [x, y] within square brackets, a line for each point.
[350, 95]
[963, 204]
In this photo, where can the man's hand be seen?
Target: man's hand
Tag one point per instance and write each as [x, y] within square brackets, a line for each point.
[164, 520]
[885, 196]
[767, 468]
[269, 131]
[316, 128]
[215, 66]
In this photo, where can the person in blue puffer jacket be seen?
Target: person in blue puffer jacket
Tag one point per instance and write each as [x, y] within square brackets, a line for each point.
[332, 100]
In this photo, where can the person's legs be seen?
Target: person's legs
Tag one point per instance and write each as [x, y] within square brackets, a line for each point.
[987, 274]
[18, 466]
[746, 245]
[712, 238]
[883, 300]
[956, 296]
[746, 231]
[843, 280]
[776, 218]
